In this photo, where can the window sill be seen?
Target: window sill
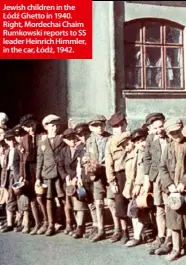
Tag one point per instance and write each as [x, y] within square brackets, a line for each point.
[154, 94]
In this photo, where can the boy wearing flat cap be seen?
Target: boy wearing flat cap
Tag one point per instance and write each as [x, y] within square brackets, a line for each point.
[134, 166]
[173, 177]
[83, 133]
[115, 171]
[10, 175]
[28, 156]
[95, 150]
[156, 143]
[48, 171]
[70, 155]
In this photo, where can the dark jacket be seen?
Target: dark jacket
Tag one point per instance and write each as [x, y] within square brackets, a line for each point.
[147, 156]
[152, 158]
[28, 154]
[48, 158]
[5, 181]
[67, 164]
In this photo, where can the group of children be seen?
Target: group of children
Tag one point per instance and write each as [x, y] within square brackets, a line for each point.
[86, 166]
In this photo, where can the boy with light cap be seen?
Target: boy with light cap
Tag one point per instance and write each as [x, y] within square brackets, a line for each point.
[48, 169]
[173, 178]
[115, 172]
[95, 150]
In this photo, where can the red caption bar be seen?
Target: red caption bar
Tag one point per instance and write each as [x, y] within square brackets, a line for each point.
[47, 29]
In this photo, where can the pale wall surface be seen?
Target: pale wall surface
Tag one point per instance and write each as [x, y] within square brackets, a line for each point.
[90, 82]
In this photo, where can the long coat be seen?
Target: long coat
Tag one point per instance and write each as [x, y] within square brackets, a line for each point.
[5, 182]
[174, 219]
[114, 157]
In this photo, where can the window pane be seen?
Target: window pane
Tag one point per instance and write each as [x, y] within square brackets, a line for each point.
[152, 32]
[174, 78]
[153, 57]
[132, 56]
[174, 57]
[153, 67]
[173, 35]
[132, 32]
[154, 77]
[133, 78]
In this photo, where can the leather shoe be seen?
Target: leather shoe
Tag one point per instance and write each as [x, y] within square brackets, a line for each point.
[157, 244]
[173, 255]
[79, 232]
[50, 231]
[26, 230]
[133, 242]
[7, 229]
[42, 230]
[93, 231]
[99, 236]
[34, 230]
[68, 229]
[125, 236]
[115, 237]
[18, 228]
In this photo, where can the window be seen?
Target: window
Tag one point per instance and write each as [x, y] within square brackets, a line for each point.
[153, 55]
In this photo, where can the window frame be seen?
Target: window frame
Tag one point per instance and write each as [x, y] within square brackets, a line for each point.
[163, 46]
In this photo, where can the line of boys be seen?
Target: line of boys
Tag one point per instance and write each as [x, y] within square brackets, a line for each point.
[125, 165]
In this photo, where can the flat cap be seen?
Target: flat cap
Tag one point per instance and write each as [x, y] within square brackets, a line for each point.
[27, 119]
[123, 138]
[154, 117]
[97, 119]
[9, 135]
[18, 130]
[138, 134]
[173, 124]
[3, 116]
[116, 118]
[81, 127]
[69, 132]
[51, 118]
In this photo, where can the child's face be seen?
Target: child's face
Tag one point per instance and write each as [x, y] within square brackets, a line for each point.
[129, 146]
[157, 128]
[97, 128]
[71, 141]
[119, 128]
[52, 128]
[30, 129]
[83, 136]
[140, 145]
[10, 143]
[176, 136]
[18, 139]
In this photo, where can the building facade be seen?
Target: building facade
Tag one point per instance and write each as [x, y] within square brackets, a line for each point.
[138, 62]
[138, 67]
